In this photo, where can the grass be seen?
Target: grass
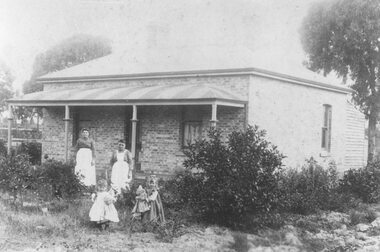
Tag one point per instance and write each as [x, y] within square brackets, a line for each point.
[67, 225]
[31, 221]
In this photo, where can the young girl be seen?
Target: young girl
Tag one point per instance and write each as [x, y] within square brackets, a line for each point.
[103, 210]
[156, 212]
[142, 204]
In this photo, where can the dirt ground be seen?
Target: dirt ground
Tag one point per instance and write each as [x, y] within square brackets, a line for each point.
[196, 239]
[328, 231]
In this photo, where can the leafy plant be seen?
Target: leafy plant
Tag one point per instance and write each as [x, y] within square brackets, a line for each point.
[58, 180]
[3, 148]
[33, 150]
[16, 175]
[311, 188]
[226, 182]
[363, 183]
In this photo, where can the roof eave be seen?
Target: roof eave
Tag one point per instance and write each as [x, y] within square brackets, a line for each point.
[201, 101]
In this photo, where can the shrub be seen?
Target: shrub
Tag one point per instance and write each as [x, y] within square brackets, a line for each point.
[226, 182]
[16, 175]
[128, 197]
[311, 188]
[33, 149]
[362, 214]
[56, 179]
[362, 183]
[178, 212]
[3, 148]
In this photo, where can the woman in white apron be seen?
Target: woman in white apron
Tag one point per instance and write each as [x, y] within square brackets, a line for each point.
[85, 159]
[121, 163]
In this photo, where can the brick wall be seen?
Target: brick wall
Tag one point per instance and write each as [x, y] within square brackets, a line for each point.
[160, 132]
[106, 125]
[160, 138]
[53, 133]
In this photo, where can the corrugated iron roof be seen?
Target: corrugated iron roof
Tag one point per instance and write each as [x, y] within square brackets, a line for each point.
[159, 60]
[174, 94]
[187, 59]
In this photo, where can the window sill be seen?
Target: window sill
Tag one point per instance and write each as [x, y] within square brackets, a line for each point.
[179, 153]
[325, 153]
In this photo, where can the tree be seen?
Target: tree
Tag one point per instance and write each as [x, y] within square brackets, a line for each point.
[344, 36]
[70, 52]
[6, 80]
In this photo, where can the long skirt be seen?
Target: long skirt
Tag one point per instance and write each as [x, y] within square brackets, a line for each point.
[156, 213]
[84, 168]
[119, 176]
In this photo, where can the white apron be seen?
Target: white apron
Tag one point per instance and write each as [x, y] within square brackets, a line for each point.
[84, 168]
[120, 172]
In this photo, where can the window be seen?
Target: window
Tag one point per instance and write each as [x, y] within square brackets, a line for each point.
[192, 118]
[192, 131]
[326, 128]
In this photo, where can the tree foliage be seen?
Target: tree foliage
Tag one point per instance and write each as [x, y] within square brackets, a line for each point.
[344, 36]
[6, 80]
[70, 52]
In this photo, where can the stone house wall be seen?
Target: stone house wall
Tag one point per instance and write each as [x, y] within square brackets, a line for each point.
[292, 115]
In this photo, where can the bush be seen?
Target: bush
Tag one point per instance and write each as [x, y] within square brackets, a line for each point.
[16, 175]
[56, 179]
[309, 189]
[362, 214]
[33, 149]
[3, 148]
[128, 197]
[363, 183]
[225, 183]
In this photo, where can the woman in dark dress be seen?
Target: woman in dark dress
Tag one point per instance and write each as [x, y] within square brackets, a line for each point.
[85, 158]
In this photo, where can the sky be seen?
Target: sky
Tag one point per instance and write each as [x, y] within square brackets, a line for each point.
[29, 27]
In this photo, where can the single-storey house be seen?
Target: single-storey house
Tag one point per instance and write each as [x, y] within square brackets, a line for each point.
[160, 102]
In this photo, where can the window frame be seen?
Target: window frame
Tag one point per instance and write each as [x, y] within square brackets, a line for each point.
[326, 131]
[197, 123]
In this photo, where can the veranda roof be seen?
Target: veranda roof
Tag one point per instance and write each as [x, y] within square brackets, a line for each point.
[153, 95]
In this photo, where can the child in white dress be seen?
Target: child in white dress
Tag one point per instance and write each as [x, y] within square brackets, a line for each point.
[103, 210]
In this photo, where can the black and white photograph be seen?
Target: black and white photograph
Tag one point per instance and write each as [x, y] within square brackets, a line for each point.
[190, 125]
